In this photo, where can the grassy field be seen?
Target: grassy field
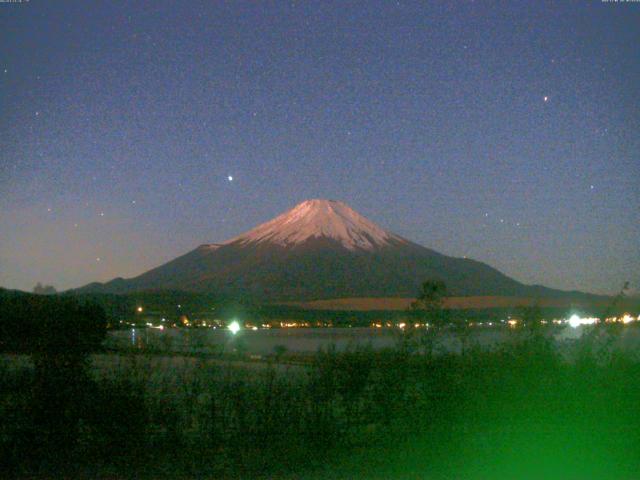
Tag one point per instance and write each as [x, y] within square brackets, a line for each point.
[397, 304]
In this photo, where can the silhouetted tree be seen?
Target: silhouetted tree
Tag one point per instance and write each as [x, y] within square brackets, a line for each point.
[599, 342]
[279, 350]
[44, 289]
[58, 333]
[531, 318]
[462, 331]
[429, 309]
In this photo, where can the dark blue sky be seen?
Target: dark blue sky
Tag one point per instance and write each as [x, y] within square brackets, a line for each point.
[507, 132]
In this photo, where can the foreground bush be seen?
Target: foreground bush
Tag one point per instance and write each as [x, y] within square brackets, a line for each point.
[520, 411]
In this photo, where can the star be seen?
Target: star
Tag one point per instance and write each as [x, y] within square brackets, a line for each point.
[98, 259]
[230, 178]
[546, 99]
[102, 214]
[591, 187]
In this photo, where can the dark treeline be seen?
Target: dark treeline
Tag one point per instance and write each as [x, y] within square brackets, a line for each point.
[49, 324]
[173, 305]
[45, 408]
[521, 410]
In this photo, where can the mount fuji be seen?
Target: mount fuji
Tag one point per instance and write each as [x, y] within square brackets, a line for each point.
[321, 249]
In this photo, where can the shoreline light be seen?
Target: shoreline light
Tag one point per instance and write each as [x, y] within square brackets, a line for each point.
[575, 321]
[234, 327]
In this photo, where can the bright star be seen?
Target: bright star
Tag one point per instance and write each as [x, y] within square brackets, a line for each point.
[230, 178]
[546, 99]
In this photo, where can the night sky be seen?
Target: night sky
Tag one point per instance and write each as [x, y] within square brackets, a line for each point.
[131, 132]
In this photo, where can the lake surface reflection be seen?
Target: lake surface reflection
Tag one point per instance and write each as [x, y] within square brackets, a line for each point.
[269, 341]
[310, 340]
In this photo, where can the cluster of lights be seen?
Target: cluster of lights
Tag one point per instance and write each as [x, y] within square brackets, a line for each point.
[295, 324]
[402, 325]
[626, 318]
[575, 321]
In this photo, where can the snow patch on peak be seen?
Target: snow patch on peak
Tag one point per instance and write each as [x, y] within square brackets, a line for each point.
[210, 246]
[319, 218]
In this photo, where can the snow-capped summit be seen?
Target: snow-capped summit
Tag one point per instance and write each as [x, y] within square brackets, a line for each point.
[319, 218]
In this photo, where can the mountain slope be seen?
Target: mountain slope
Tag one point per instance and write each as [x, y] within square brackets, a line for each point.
[320, 249]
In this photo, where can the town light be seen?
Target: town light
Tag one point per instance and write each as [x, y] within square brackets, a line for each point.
[234, 327]
[575, 321]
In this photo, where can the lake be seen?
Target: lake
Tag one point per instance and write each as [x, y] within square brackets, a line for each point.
[309, 340]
